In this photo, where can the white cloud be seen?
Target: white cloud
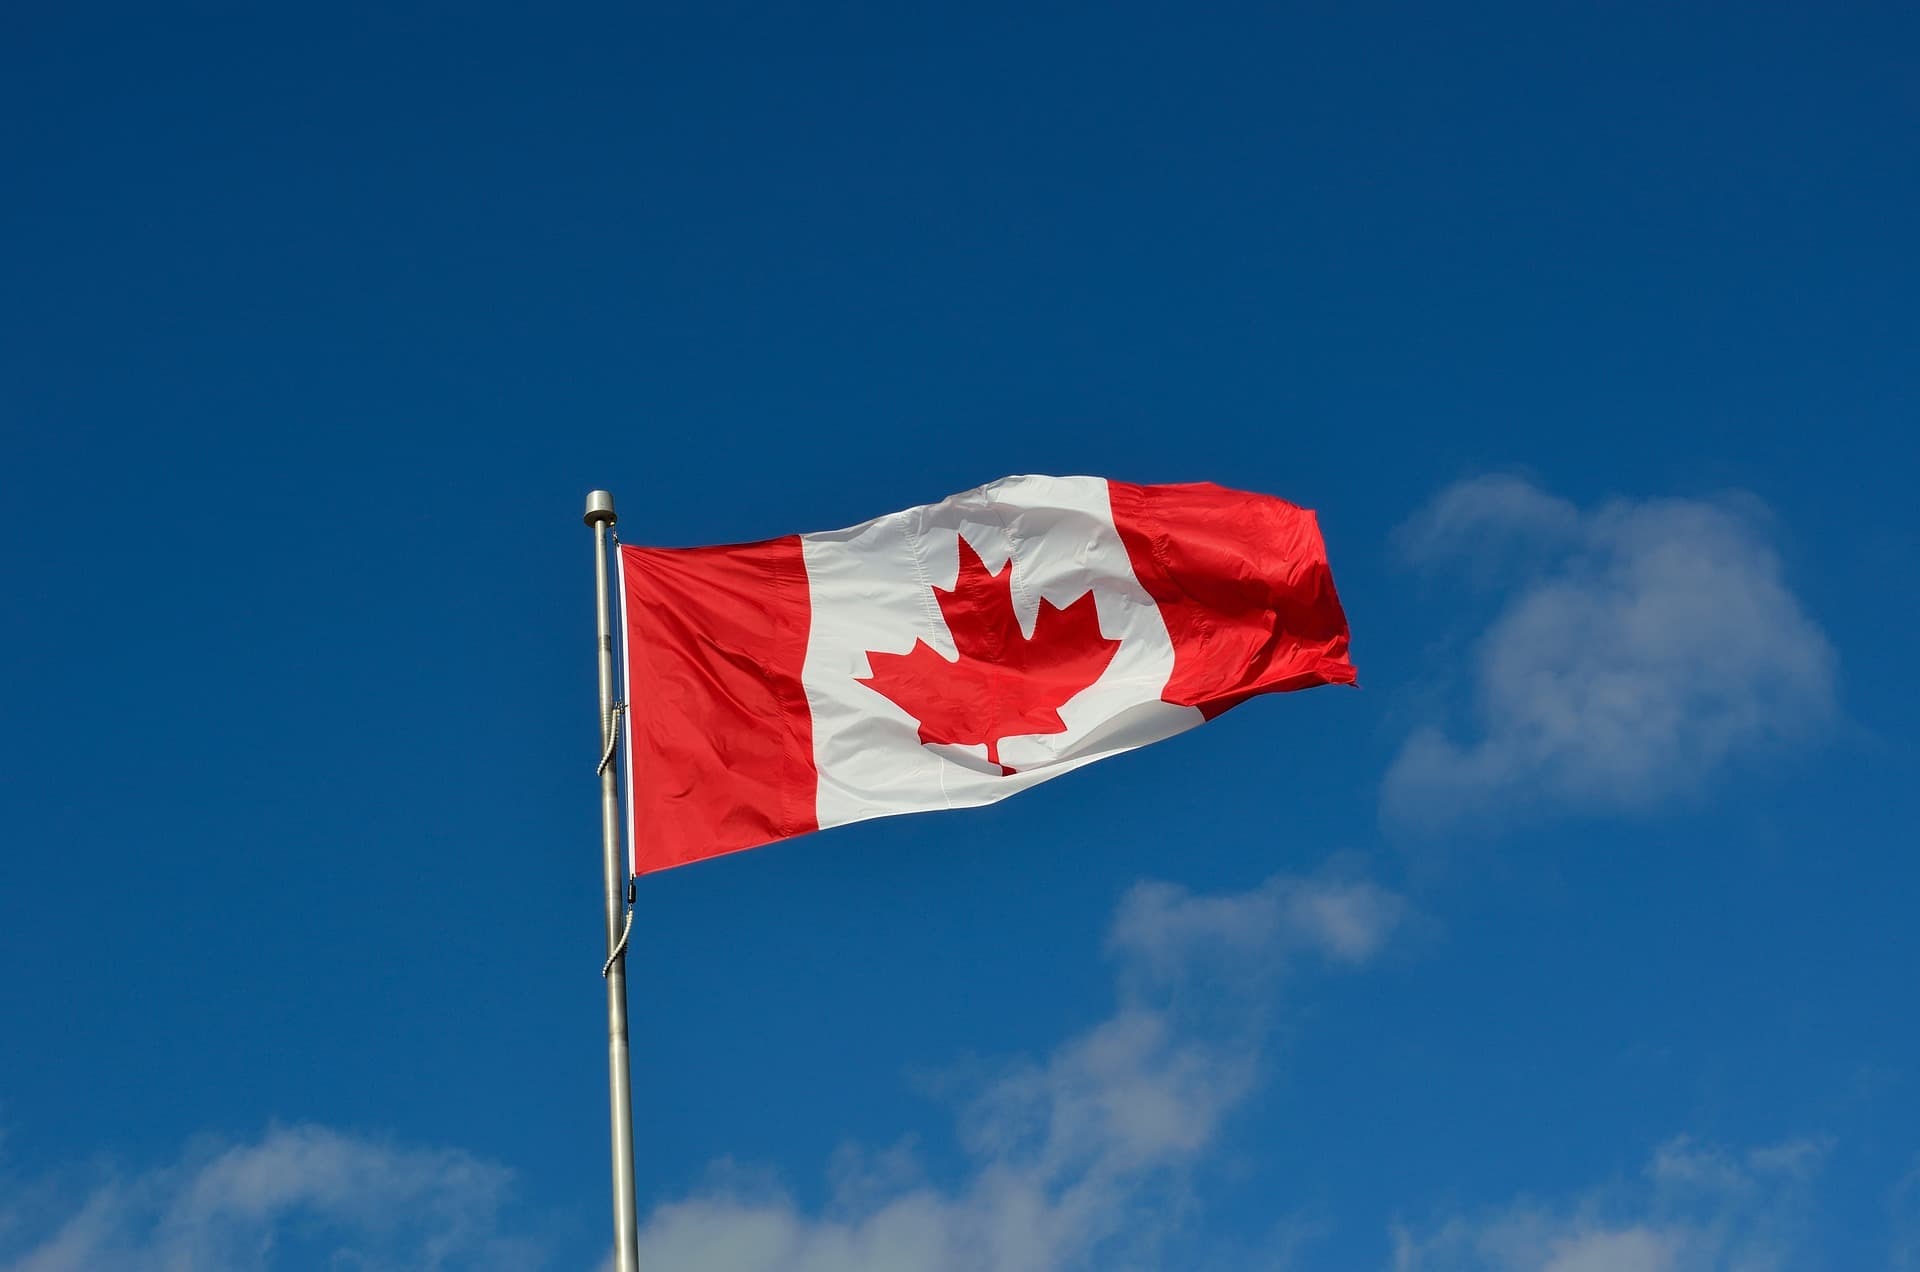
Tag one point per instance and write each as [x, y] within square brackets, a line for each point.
[1082, 1159]
[1470, 518]
[298, 1196]
[1647, 642]
[1695, 1208]
[1166, 929]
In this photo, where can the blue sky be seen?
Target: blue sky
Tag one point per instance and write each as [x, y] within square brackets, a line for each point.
[1581, 937]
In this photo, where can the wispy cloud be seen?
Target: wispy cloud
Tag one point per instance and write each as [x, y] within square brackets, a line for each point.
[1644, 643]
[1082, 1158]
[299, 1196]
[1695, 1208]
[1165, 930]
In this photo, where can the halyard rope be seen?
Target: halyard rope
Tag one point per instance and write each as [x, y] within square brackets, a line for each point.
[612, 728]
[606, 758]
[620, 948]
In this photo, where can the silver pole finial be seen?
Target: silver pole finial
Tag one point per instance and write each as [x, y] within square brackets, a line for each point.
[600, 507]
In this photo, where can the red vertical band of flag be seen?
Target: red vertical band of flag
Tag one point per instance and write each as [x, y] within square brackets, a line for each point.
[721, 738]
[1243, 583]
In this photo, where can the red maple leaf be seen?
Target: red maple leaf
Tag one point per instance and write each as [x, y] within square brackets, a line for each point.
[1003, 684]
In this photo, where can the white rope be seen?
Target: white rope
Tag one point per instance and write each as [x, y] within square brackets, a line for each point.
[621, 947]
[612, 729]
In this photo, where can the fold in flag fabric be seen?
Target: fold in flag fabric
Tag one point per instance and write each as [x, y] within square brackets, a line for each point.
[953, 654]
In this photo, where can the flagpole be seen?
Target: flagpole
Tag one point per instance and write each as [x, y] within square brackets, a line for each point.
[626, 1228]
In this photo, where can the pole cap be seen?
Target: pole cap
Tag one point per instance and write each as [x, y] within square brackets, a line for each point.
[600, 508]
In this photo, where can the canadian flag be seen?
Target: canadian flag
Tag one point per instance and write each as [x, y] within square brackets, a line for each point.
[953, 654]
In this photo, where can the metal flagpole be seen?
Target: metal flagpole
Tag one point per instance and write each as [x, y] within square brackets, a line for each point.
[626, 1226]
